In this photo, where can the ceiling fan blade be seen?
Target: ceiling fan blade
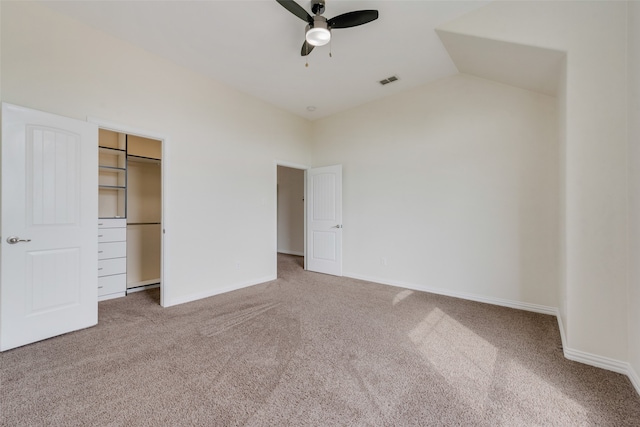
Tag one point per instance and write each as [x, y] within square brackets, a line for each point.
[296, 9]
[353, 19]
[306, 49]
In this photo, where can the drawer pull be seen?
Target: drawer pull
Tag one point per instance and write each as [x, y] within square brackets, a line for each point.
[100, 235]
[100, 287]
[100, 268]
[100, 223]
[100, 252]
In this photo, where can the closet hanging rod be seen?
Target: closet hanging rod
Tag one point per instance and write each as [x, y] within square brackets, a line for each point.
[143, 223]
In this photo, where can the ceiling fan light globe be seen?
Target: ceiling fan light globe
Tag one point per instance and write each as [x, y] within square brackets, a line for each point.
[318, 36]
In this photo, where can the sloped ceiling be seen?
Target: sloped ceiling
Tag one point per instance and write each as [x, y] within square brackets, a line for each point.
[528, 67]
[254, 46]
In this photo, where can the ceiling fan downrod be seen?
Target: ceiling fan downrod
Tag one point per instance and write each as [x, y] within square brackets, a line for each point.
[317, 7]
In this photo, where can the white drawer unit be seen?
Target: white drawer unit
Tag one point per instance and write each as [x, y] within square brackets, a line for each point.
[110, 285]
[112, 258]
[112, 235]
[109, 267]
[112, 223]
[112, 250]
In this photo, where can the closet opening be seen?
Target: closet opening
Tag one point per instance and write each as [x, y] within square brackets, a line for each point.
[130, 210]
[290, 193]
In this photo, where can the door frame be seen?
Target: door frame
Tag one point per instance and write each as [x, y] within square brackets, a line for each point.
[304, 168]
[165, 287]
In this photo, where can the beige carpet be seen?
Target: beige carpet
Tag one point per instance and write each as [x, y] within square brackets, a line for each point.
[310, 349]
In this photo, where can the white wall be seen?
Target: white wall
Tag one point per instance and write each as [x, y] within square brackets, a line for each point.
[290, 210]
[633, 50]
[595, 204]
[220, 194]
[454, 185]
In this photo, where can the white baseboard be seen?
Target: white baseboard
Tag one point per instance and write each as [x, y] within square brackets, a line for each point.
[607, 363]
[596, 360]
[290, 252]
[569, 353]
[591, 359]
[462, 295]
[207, 294]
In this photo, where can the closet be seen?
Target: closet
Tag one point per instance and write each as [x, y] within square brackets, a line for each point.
[144, 192]
[130, 207]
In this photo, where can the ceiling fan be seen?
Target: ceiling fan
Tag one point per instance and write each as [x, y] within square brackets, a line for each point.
[318, 31]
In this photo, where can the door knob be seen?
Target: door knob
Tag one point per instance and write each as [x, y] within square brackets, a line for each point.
[337, 226]
[13, 240]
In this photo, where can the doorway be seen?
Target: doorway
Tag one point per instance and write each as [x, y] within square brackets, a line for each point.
[309, 216]
[140, 199]
[290, 191]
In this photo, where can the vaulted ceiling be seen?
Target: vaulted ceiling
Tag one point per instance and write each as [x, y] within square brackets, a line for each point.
[254, 46]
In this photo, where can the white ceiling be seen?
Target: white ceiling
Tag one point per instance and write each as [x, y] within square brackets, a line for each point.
[254, 46]
[528, 67]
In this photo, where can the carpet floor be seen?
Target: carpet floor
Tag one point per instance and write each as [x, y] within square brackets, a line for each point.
[310, 349]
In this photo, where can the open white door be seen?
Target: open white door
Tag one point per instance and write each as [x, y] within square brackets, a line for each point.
[49, 211]
[324, 220]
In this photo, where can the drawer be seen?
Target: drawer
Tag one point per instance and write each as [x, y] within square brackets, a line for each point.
[112, 250]
[112, 222]
[112, 235]
[108, 267]
[112, 284]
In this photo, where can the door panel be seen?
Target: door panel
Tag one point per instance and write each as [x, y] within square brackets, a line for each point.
[324, 220]
[52, 280]
[324, 193]
[48, 279]
[324, 245]
[53, 169]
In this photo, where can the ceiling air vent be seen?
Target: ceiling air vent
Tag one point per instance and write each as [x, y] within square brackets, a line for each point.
[388, 80]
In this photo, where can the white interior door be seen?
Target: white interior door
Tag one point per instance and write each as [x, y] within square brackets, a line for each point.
[49, 211]
[324, 220]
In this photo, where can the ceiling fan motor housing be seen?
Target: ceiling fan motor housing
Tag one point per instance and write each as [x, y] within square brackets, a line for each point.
[319, 22]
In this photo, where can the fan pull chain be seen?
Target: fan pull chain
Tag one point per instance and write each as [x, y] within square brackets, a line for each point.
[306, 57]
[330, 44]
